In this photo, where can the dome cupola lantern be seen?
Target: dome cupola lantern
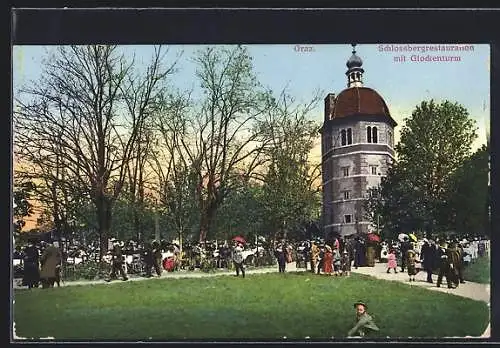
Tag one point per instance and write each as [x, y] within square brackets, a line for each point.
[354, 70]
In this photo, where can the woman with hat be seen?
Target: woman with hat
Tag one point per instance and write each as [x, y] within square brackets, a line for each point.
[328, 260]
[364, 322]
[49, 260]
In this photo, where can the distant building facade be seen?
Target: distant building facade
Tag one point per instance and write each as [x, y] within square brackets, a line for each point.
[357, 139]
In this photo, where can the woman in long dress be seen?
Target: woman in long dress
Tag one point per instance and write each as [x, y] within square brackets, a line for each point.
[328, 261]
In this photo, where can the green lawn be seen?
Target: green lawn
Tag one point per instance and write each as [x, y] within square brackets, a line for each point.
[264, 307]
[478, 271]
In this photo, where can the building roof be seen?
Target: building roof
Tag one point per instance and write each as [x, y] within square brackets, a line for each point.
[359, 100]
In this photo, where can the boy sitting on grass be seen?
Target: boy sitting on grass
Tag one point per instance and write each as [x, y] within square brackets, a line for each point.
[364, 321]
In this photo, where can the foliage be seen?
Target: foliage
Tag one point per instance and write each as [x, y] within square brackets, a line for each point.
[241, 213]
[78, 126]
[225, 307]
[227, 141]
[178, 197]
[290, 193]
[89, 270]
[469, 195]
[110, 144]
[415, 195]
[125, 226]
[22, 206]
[207, 265]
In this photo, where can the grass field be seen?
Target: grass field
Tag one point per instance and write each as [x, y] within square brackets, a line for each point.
[259, 307]
[478, 271]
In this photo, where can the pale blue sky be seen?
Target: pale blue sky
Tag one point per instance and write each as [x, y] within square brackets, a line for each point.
[403, 85]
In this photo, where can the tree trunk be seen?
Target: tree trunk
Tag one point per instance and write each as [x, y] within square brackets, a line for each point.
[205, 222]
[137, 225]
[103, 206]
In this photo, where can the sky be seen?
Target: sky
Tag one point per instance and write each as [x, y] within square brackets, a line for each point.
[305, 68]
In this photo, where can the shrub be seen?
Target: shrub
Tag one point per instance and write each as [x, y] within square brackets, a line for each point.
[207, 265]
[89, 270]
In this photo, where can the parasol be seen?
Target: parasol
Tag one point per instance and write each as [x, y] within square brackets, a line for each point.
[402, 236]
[240, 239]
[373, 237]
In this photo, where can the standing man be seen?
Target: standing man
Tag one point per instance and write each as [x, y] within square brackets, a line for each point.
[117, 262]
[455, 258]
[31, 259]
[359, 251]
[427, 254]
[321, 258]
[444, 265]
[314, 256]
[280, 253]
[405, 246]
[306, 253]
[349, 247]
[148, 257]
[157, 257]
[461, 262]
[238, 260]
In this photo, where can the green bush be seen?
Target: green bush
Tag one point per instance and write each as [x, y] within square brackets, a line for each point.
[207, 265]
[89, 270]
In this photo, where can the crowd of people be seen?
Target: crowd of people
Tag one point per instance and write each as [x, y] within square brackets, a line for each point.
[445, 258]
[320, 256]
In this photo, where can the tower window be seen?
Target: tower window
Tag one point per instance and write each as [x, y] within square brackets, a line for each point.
[373, 170]
[349, 136]
[389, 139]
[369, 134]
[347, 218]
[374, 135]
[343, 137]
[346, 194]
[345, 171]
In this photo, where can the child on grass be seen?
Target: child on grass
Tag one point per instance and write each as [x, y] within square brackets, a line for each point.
[364, 322]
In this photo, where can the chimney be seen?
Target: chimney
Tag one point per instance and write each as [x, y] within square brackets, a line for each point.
[329, 106]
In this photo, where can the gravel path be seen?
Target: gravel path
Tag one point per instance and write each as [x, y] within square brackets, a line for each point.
[165, 275]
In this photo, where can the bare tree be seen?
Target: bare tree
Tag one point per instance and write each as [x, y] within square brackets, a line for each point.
[291, 179]
[88, 110]
[172, 162]
[228, 141]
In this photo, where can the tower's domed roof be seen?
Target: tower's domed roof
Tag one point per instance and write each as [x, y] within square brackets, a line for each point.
[359, 100]
[354, 62]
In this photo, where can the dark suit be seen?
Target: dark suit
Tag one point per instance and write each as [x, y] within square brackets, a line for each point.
[428, 260]
[444, 267]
